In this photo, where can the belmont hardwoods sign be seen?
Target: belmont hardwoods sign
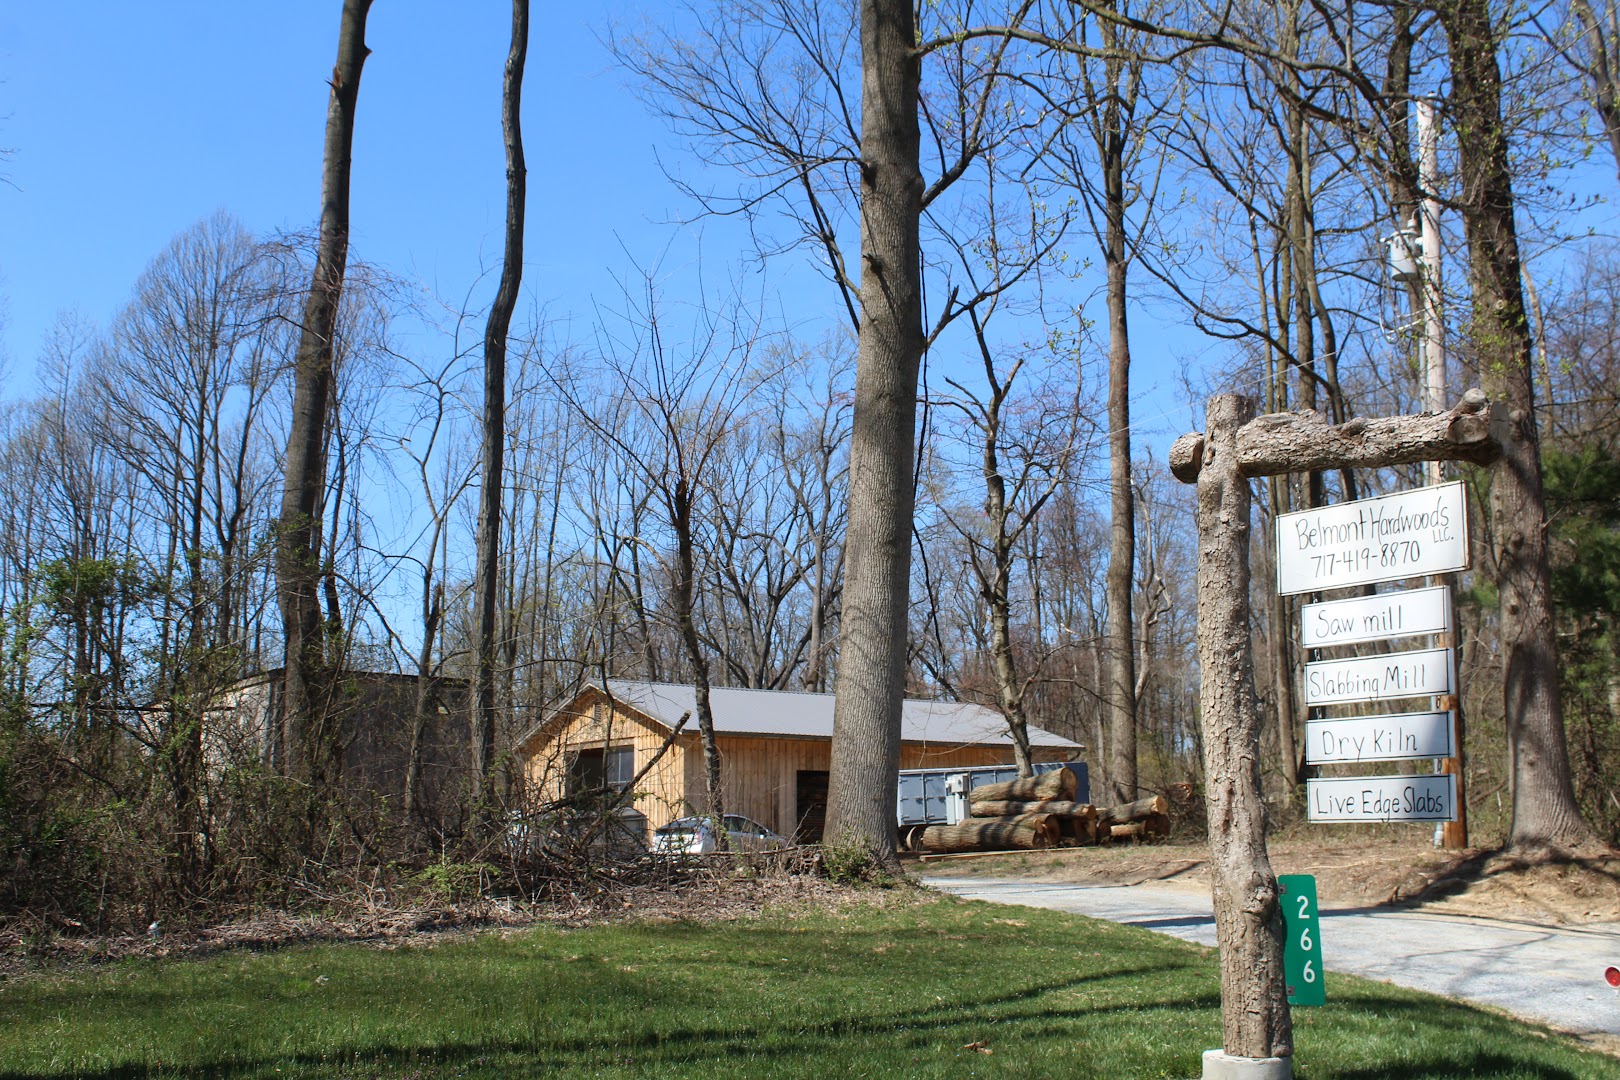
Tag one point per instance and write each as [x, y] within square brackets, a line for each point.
[1383, 798]
[1408, 534]
[1419, 673]
[1407, 736]
[1371, 618]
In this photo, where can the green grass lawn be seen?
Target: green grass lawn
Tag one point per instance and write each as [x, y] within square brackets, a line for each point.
[894, 991]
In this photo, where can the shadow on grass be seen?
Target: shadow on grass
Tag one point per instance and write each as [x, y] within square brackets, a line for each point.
[692, 1046]
[1463, 1028]
[1454, 1067]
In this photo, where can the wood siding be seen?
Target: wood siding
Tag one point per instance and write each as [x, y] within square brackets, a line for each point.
[587, 723]
[758, 773]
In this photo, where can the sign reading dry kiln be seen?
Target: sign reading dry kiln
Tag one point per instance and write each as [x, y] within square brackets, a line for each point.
[1411, 533]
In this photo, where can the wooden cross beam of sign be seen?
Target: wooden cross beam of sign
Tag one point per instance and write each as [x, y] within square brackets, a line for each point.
[1237, 445]
[1280, 443]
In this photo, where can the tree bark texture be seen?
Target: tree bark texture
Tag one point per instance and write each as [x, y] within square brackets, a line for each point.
[991, 834]
[1255, 1021]
[1057, 784]
[486, 580]
[1121, 686]
[1012, 808]
[298, 531]
[1304, 441]
[864, 776]
[1544, 808]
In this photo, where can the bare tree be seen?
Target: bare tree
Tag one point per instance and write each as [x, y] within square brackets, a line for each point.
[1596, 56]
[1025, 449]
[1102, 146]
[767, 88]
[487, 579]
[679, 400]
[298, 539]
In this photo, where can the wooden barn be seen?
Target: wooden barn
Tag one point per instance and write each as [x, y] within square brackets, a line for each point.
[775, 748]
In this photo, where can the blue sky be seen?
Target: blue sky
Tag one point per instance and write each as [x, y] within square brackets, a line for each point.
[129, 122]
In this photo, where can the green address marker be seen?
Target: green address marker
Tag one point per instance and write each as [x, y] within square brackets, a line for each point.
[1302, 942]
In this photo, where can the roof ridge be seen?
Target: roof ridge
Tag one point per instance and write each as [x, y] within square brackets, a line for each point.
[801, 693]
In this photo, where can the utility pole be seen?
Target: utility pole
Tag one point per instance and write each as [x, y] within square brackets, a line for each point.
[1452, 834]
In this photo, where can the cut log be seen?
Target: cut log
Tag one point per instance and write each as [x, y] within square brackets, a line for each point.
[1077, 828]
[1156, 826]
[977, 834]
[1132, 831]
[1132, 811]
[1045, 806]
[1057, 784]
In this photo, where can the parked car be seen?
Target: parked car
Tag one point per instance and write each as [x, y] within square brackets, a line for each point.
[696, 836]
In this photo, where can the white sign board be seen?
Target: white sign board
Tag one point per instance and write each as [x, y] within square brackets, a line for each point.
[1402, 737]
[1419, 673]
[1383, 798]
[1370, 618]
[1408, 534]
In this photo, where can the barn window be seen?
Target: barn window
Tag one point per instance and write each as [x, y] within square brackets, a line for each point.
[591, 770]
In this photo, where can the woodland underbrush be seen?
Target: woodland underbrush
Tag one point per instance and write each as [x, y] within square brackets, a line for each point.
[96, 860]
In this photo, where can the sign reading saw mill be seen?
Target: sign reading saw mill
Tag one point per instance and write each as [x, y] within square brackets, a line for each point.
[1373, 618]
[1408, 534]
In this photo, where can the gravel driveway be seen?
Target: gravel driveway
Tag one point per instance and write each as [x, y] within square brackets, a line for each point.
[1549, 974]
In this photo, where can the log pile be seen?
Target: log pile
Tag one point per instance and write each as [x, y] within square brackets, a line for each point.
[1040, 812]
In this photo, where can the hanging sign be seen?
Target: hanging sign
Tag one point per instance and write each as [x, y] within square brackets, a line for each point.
[1418, 673]
[1408, 534]
[1371, 618]
[1383, 798]
[1407, 736]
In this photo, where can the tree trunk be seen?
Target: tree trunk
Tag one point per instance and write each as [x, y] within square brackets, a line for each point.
[864, 777]
[1602, 83]
[298, 532]
[1121, 684]
[996, 579]
[1255, 1022]
[1280, 652]
[1544, 809]
[487, 574]
[426, 695]
[685, 585]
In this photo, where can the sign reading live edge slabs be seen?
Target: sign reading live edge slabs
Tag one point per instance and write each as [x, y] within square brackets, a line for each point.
[1383, 798]
[1408, 534]
[1419, 673]
[1371, 618]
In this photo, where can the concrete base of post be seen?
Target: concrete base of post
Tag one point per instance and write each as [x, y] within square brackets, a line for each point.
[1219, 1065]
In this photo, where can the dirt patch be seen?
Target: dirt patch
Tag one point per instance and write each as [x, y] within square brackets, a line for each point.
[1350, 872]
[36, 947]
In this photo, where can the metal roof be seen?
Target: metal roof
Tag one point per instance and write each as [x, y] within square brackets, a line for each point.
[791, 713]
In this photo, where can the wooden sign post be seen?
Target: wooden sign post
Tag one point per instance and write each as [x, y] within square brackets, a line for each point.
[1235, 446]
